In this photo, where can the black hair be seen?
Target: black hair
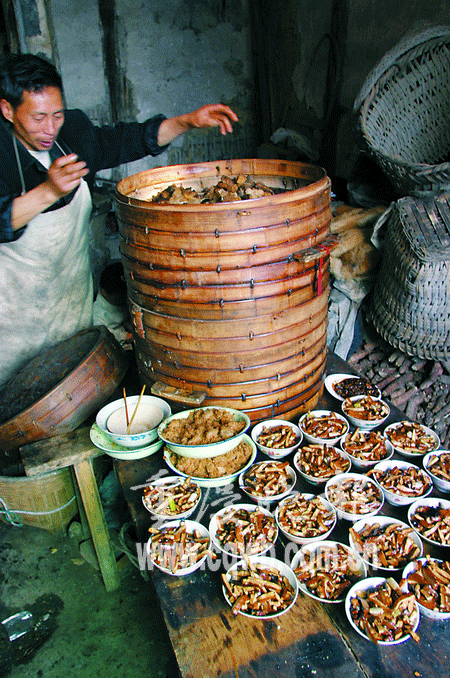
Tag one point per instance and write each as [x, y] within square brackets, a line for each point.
[25, 72]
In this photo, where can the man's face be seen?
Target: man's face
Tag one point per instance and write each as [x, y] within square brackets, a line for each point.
[38, 119]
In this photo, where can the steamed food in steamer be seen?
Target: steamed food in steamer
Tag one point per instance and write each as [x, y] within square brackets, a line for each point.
[228, 189]
[203, 427]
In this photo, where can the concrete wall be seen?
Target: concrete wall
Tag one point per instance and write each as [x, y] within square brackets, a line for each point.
[294, 64]
[161, 57]
[129, 60]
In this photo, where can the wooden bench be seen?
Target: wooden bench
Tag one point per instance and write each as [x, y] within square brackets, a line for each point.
[75, 449]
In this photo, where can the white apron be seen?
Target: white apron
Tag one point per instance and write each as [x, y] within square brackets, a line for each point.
[46, 290]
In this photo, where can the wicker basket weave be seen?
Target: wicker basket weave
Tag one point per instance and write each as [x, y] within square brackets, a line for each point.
[404, 113]
[410, 302]
[47, 501]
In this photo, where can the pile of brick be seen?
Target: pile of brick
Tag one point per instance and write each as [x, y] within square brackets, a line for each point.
[417, 386]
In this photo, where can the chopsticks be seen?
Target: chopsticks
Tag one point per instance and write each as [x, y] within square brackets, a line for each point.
[126, 406]
[135, 409]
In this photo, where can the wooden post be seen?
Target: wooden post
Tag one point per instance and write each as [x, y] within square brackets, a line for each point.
[97, 524]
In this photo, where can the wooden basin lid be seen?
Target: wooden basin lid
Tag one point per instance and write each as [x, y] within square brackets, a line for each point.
[60, 388]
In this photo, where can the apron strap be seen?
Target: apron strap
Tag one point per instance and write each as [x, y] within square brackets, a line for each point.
[19, 164]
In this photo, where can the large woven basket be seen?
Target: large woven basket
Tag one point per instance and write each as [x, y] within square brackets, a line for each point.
[410, 302]
[404, 113]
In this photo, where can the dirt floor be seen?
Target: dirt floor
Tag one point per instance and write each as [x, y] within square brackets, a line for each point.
[79, 630]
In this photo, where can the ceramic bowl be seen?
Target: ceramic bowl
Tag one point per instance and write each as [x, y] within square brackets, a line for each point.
[255, 541]
[169, 493]
[406, 450]
[297, 517]
[419, 565]
[372, 550]
[324, 416]
[380, 474]
[354, 496]
[358, 385]
[257, 483]
[215, 481]
[265, 561]
[366, 448]
[365, 586]
[112, 449]
[436, 465]
[207, 450]
[151, 410]
[275, 426]
[438, 513]
[328, 557]
[372, 412]
[335, 461]
[192, 528]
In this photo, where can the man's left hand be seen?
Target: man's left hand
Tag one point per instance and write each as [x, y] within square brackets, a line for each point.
[213, 115]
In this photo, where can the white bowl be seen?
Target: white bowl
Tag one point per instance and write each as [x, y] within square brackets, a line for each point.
[409, 454]
[396, 498]
[355, 483]
[363, 422]
[432, 504]
[112, 449]
[149, 406]
[367, 585]
[264, 468]
[328, 439]
[321, 479]
[440, 483]
[210, 449]
[365, 460]
[333, 379]
[146, 418]
[221, 480]
[163, 486]
[191, 527]
[274, 563]
[276, 452]
[322, 554]
[369, 552]
[259, 543]
[408, 572]
[297, 499]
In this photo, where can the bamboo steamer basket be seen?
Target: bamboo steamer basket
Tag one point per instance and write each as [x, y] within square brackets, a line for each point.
[59, 389]
[230, 300]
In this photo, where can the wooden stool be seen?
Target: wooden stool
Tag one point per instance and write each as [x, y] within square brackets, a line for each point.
[76, 449]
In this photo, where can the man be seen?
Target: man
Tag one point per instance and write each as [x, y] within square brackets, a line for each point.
[49, 160]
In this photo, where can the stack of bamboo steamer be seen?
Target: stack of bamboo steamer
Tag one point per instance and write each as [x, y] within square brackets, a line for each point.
[230, 300]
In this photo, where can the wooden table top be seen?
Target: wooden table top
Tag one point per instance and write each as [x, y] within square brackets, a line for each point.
[311, 639]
